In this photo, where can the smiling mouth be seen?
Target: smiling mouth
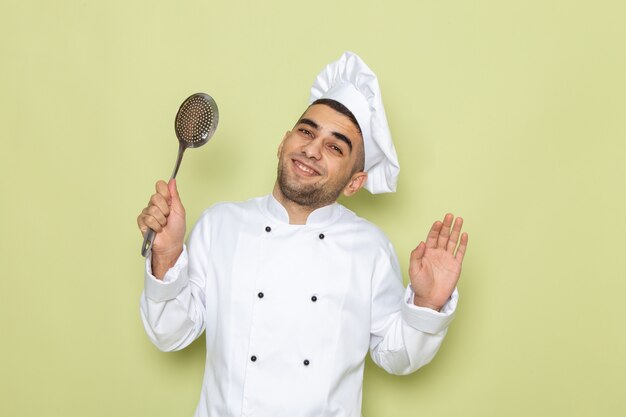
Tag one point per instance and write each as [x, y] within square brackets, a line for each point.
[304, 169]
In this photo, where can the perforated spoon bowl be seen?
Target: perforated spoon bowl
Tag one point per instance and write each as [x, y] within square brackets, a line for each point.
[195, 123]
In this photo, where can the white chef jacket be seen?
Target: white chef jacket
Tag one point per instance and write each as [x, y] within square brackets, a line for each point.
[289, 311]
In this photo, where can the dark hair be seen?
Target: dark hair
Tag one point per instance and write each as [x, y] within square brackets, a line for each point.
[340, 108]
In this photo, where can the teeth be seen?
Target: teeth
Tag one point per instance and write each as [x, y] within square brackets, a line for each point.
[305, 168]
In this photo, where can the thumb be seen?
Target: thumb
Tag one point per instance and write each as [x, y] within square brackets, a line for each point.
[418, 252]
[416, 256]
[173, 189]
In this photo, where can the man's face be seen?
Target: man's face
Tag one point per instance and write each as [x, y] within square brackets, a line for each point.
[317, 158]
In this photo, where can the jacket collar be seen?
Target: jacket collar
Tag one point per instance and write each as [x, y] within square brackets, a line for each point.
[319, 217]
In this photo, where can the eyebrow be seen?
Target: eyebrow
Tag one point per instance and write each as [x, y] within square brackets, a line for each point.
[338, 135]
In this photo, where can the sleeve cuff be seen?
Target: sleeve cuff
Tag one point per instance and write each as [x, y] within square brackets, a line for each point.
[173, 282]
[425, 319]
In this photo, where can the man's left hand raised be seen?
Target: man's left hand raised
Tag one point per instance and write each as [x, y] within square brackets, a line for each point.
[435, 266]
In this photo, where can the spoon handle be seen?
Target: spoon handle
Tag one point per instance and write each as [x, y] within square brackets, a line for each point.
[179, 158]
[150, 235]
[147, 242]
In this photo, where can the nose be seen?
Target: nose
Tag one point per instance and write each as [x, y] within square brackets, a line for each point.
[313, 149]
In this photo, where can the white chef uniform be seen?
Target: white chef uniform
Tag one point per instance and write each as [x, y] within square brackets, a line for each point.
[289, 311]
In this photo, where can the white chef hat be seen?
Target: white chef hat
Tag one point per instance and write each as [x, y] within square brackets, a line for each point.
[350, 82]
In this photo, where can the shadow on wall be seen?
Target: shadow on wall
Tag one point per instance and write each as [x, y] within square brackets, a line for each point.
[195, 353]
[372, 207]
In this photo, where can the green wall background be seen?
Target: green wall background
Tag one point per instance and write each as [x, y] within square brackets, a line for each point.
[510, 114]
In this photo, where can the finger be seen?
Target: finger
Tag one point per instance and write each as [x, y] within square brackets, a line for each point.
[454, 236]
[155, 212]
[418, 253]
[142, 226]
[161, 188]
[460, 252]
[433, 235]
[147, 221]
[173, 190]
[444, 235]
[416, 256]
[159, 201]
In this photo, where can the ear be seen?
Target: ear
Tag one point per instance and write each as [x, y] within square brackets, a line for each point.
[355, 184]
[280, 147]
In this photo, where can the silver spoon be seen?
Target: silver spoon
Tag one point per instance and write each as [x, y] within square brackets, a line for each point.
[195, 123]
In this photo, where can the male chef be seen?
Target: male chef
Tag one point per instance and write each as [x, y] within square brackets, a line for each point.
[293, 289]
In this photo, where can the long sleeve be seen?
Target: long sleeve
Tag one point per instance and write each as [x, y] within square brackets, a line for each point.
[404, 337]
[173, 309]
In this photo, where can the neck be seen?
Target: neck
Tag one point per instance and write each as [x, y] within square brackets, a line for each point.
[298, 214]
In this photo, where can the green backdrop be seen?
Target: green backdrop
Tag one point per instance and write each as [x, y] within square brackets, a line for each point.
[511, 114]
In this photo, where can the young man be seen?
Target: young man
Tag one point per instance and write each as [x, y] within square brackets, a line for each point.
[293, 289]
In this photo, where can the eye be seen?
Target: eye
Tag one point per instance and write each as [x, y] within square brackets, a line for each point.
[336, 149]
[306, 132]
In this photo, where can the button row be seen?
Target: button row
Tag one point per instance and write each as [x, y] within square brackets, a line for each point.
[306, 362]
[269, 229]
[261, 295]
